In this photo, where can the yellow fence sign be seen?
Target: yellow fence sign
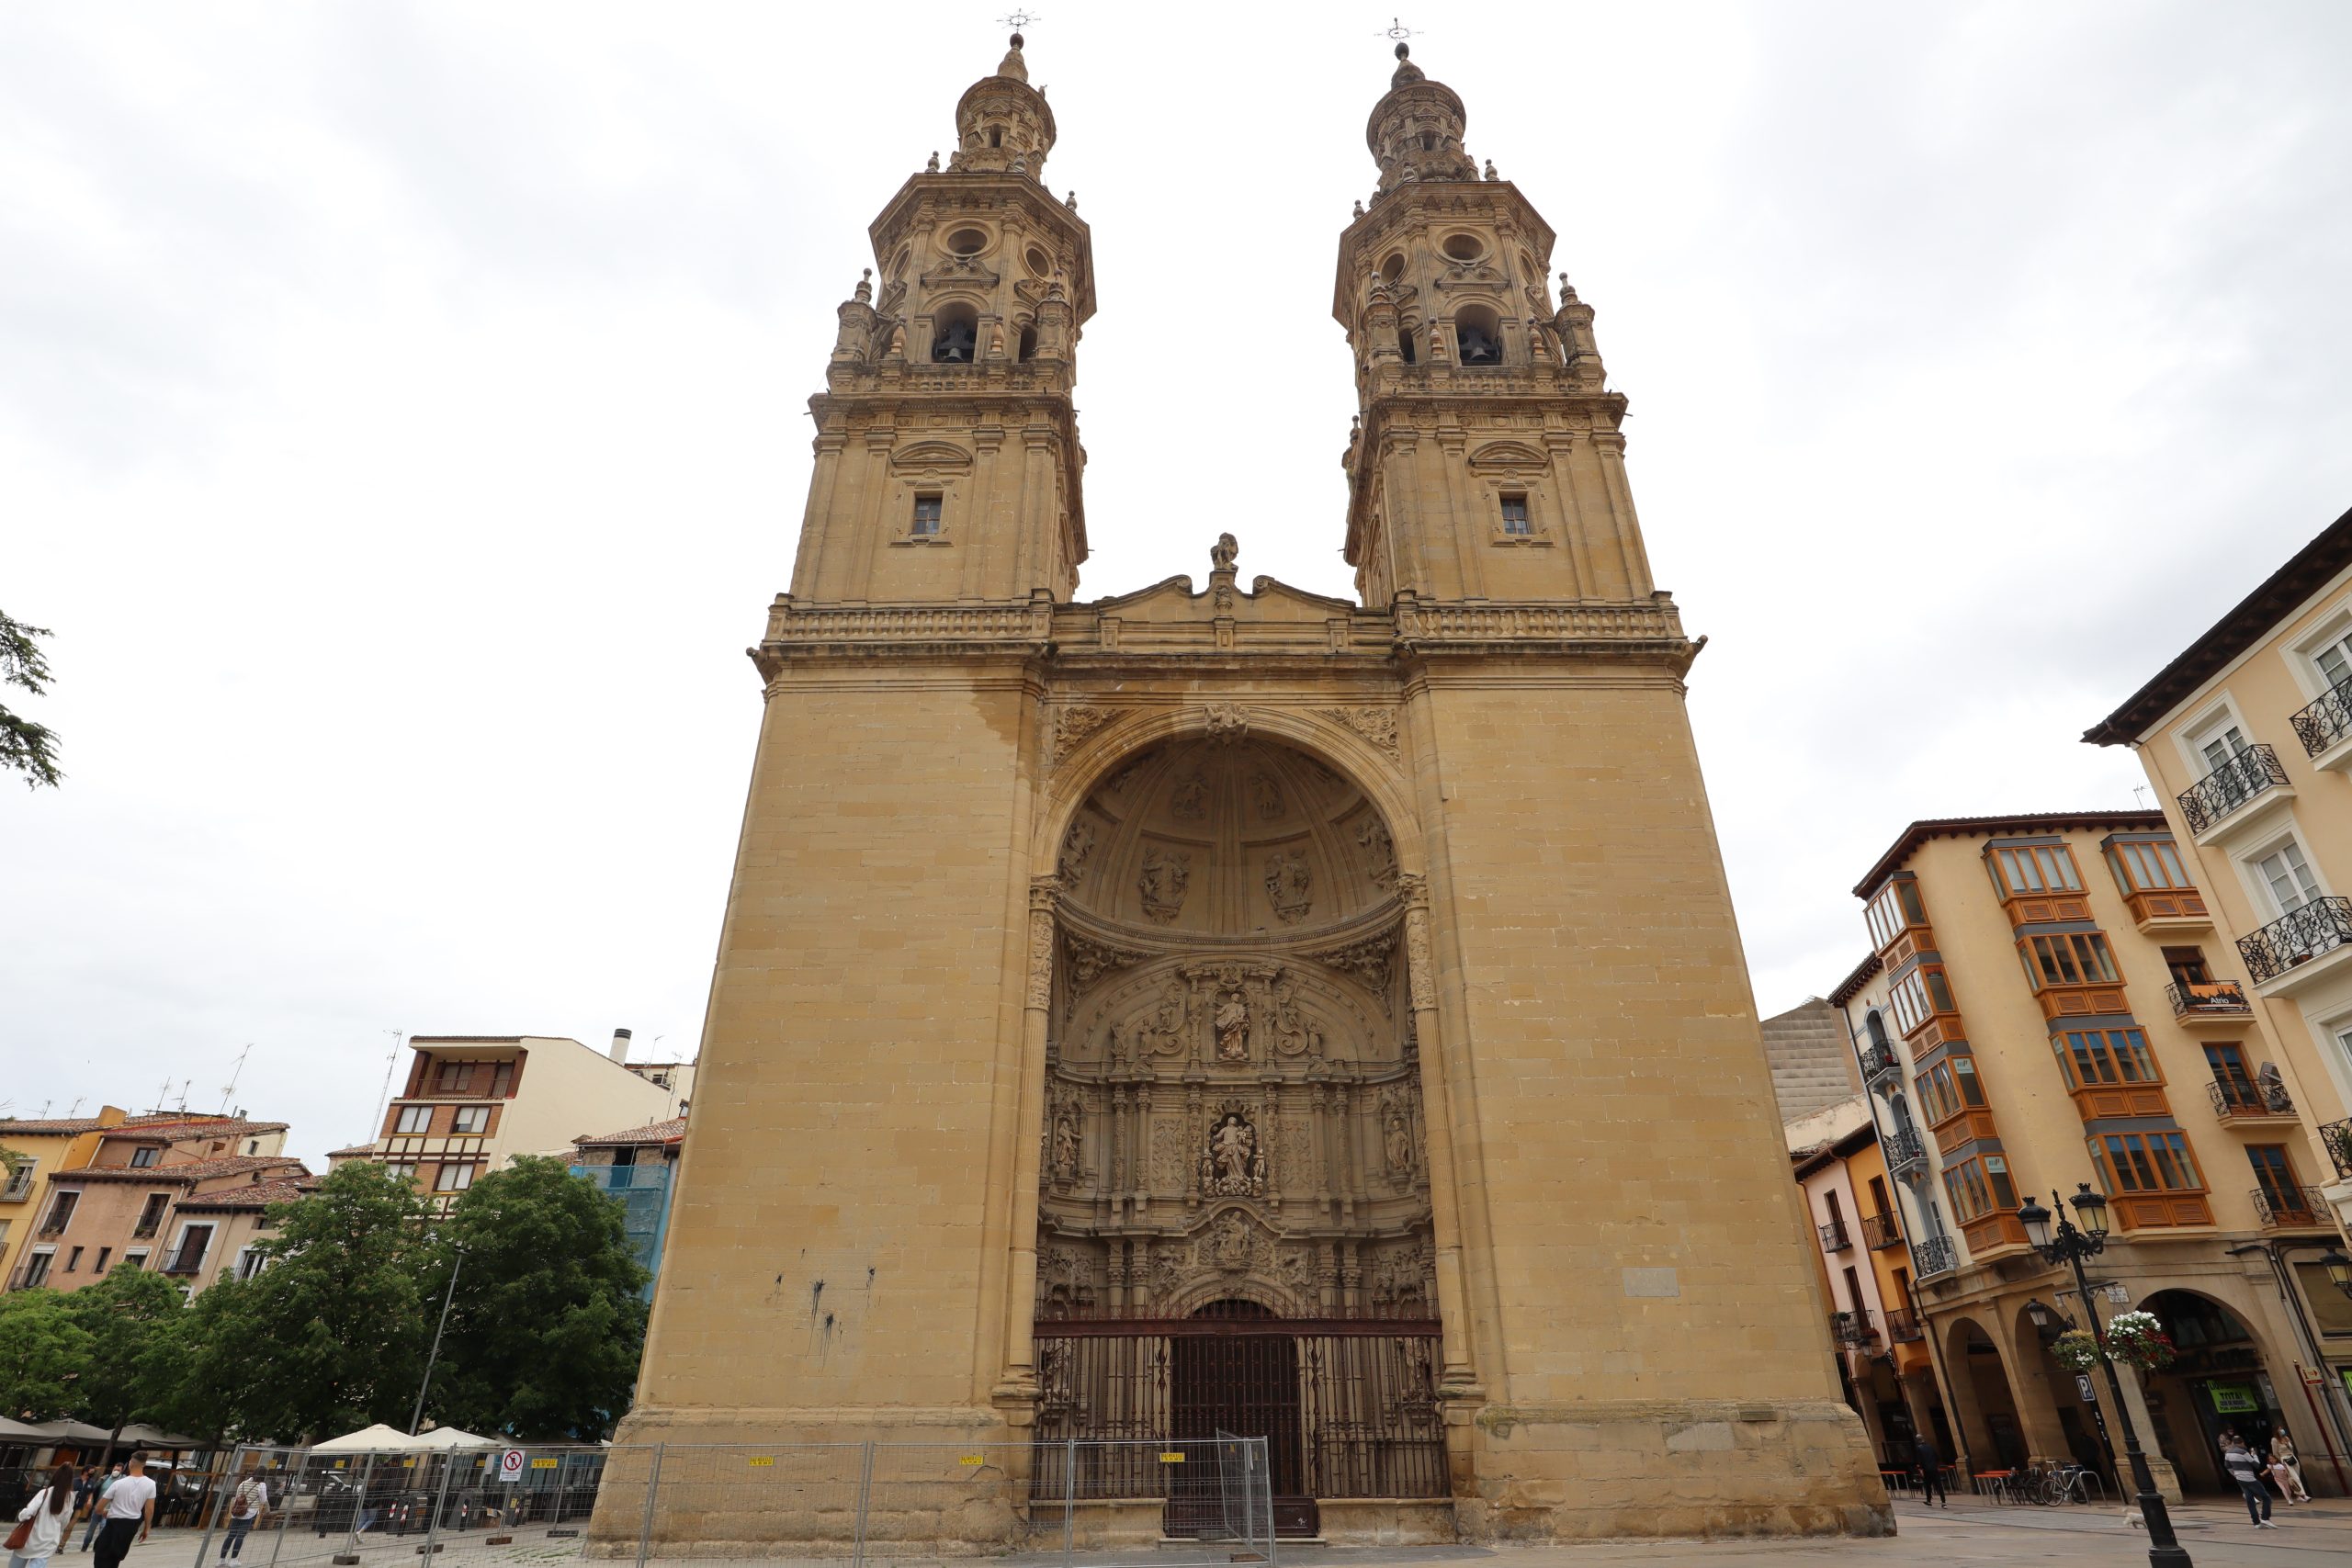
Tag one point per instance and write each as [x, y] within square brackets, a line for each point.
[758, 1460]
[1171, 1459]
[973, 1458]
[543, 1464]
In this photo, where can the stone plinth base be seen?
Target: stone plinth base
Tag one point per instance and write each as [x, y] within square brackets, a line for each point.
[1123, 1524]
[1699, 1467]
[1387, 1521]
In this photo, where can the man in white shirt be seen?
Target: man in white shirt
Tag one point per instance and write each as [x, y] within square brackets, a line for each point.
[131, 1513]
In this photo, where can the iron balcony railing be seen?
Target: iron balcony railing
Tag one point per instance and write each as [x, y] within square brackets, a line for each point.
[1879, 1062]
[2236, 1097]
[1934, 1255]
[2297, 1208]
[2230, 785]
[1834, 1237]
[1902, 1327]
[1904, 1149]
[2324, 722]
[1880, 1232]
[2321, 926]
[2217, 999]
[2338, 1136]
[1852, 1329]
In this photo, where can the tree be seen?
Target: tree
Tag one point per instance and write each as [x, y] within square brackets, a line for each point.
[127, 1317]
[331, 1335]
[30, 749]
[43, 1351]
[201, 1366]
[546, 1326]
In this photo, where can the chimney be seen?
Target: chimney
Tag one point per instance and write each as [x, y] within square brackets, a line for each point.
[620, 1047]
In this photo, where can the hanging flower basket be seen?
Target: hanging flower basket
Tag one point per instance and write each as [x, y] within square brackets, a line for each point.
[2076, 1350]
[2137, 1339]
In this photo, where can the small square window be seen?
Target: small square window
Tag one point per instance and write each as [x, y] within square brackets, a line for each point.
[415, 1119]
[928, 509]
[1515, 518]
[143, 1158]
[471, 1119]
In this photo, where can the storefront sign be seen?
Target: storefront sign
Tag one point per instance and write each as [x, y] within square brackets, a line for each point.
[2234, 1398]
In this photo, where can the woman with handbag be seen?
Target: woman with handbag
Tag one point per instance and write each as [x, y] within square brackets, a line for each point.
[41, 1523]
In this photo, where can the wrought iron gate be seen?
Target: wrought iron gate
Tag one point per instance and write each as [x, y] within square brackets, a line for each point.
[1347, 1403]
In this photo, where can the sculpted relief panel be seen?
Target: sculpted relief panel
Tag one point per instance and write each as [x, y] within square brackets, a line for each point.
[1233, 1108]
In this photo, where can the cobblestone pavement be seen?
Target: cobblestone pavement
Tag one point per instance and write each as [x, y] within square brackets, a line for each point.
[1971, 1531]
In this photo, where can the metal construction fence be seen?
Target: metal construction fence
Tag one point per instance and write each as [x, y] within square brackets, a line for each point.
[1186, 1502]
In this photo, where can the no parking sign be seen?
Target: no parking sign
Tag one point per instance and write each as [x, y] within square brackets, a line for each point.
[510, 1464]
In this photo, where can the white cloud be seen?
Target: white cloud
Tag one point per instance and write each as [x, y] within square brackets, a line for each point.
[402, 408]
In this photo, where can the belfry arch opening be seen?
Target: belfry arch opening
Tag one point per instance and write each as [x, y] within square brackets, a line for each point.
[954, 335]
[1479, 332]
[1234, 1128]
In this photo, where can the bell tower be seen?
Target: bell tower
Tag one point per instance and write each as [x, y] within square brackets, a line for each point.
[1486, 463]
[947, 456]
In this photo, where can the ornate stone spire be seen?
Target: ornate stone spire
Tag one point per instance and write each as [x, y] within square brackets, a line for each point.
[1415, 131]
[1002, 125]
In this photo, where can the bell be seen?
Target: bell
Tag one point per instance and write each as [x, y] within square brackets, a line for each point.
[953, 344]
[1477, 348]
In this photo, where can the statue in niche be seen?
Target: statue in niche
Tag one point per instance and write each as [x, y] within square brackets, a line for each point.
[1166, 876]
[1230, 1245]
[1233, 1166]
[1397, 1134]
[1267, 795]
[1290, 884]
[1077, 844]
[1232, 1026]
[1379, 852]
[1191, 800]
[1066, 1144]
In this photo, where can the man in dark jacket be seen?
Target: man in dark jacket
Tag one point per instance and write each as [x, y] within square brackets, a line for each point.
[1932, 1470]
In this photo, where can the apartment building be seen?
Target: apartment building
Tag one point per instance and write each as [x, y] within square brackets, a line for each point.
[2044, 1007]
[2247, 736]
[639, 1167]
[186, 1195]
[471, 1103]
[44, 1147]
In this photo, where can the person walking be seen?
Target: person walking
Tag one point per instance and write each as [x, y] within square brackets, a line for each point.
[2286, 1471]
[1932, 1470]
[2247, 1470]
[130, 1508]
[247, 1504]
[100, 1486]
[51, 1515]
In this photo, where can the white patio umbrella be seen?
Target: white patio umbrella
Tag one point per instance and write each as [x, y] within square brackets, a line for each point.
[376, 1439]
[452, 1440]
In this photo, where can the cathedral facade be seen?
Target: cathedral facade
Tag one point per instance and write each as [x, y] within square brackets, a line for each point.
[1226, 1005]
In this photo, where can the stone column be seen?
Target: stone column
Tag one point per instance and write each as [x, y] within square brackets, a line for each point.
[1457, 1378]
[1020, 1352]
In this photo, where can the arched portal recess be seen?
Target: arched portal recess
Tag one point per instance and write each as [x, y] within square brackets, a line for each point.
[1233, 1127]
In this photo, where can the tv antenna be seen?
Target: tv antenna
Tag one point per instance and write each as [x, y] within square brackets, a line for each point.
[385, 1099]
[234, 1074]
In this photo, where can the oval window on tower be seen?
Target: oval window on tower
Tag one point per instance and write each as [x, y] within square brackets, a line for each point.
[967, 242]
[1039, 262]
[1464, 247]
[1394, 267]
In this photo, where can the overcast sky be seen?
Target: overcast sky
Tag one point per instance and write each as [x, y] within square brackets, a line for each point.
[402, 428]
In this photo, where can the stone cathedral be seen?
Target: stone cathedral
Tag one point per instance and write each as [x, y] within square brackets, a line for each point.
[1221, 1007]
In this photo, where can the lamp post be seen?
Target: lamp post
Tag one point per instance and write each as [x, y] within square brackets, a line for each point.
[457, 1261]
[2064, 1243]
[2338, 1267]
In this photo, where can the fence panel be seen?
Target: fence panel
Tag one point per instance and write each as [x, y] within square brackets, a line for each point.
[789, 1505]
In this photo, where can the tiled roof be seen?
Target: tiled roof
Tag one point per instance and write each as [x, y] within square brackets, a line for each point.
[353, 1151]
[667, 1132]
[192, 1170]
[177, 1126]
[37, 1125]
[1919, 832]
[1851, 986]
[260, 1195]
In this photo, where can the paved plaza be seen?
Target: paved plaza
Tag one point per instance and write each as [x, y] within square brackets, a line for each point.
[1971, 1531]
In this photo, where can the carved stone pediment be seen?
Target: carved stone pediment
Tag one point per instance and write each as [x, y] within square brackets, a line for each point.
[931, 456]
[1507, 456]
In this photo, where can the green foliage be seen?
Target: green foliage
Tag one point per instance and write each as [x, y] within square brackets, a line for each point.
[330, 1335]
[545, 1327]
[201, 1366]
[28, 747]
[131, 1319]
[42, 1353]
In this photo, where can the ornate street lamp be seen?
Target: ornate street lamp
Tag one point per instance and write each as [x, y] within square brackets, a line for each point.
[2059, 1240]
[2046, 1320]
[2338, 1267]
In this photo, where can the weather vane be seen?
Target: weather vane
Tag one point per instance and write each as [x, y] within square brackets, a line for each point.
[1397, 32]
[1020, 21]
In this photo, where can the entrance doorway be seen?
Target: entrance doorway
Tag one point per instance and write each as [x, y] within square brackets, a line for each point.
[1231, 1380]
